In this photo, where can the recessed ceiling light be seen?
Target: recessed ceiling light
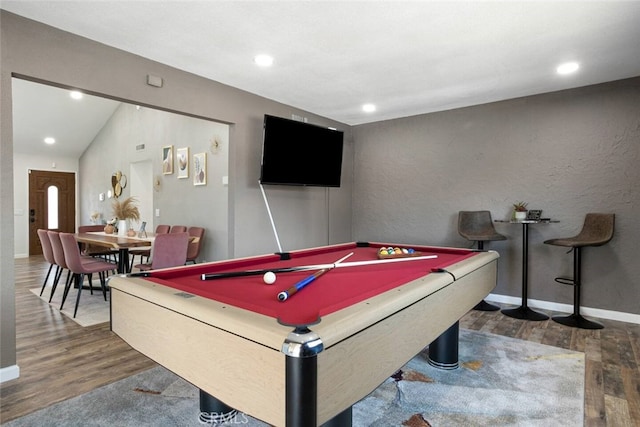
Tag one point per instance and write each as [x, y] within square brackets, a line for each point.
[75, 94]
[368, 108]
[263, 60]
[568, 68]
[49, 140]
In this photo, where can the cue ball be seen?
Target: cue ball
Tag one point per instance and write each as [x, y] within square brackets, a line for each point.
[269, 278]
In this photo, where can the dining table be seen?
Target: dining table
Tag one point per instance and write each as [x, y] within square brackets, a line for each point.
[115, 241]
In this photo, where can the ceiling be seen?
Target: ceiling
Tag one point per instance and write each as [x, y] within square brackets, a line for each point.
[331, 57]
[41, 111]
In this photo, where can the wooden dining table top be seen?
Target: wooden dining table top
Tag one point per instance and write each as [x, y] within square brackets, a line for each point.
[115, 241]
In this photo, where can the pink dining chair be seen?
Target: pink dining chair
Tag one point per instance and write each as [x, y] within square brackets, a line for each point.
[178, 229]
[162, 229]
[169, 250]
[58, 256]
[195, 244]
[80, 269]
[93, 250]
[146, 252]
[47, 252]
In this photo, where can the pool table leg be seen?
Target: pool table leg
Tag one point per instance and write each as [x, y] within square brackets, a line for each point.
[301, 349]
[301, 391]
[302, 396]
[443, 351]
[343, 419]
[213, 411]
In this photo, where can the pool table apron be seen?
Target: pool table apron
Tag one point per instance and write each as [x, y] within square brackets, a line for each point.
[235, 354]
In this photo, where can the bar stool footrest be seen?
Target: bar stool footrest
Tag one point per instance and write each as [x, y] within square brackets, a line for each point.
[565, 281]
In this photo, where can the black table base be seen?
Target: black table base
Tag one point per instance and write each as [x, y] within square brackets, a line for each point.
[577, 321]
[485, 306]
[524, 313]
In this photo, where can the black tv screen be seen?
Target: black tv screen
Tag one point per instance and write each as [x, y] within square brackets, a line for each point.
[298, 153]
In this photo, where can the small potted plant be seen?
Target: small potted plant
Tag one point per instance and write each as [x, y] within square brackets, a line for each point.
[520, 211]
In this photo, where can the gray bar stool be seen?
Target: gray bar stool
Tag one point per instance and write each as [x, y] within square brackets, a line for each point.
[597, 230]
[478, 227]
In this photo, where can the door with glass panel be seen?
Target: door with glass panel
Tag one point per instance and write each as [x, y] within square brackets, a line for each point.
[52, 204]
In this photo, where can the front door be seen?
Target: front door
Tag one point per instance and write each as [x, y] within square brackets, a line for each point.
[52, 204]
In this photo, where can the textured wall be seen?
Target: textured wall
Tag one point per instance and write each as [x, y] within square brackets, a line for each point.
[567, 153]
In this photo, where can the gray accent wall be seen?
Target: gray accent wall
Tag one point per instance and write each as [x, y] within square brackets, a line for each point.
[567, 153]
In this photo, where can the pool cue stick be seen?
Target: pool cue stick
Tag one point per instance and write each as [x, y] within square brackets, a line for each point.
[284, 295]
[384, 261]
[213, 276]
[224, 275]
[241, 273]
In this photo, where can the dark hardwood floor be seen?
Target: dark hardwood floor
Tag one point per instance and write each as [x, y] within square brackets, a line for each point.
[59, 359]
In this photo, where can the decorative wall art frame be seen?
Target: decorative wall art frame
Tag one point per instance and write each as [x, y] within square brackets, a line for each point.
[118, 183]
[200, 169]
[167, 160]
[182, 155]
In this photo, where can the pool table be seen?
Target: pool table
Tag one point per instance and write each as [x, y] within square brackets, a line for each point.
[306, 360]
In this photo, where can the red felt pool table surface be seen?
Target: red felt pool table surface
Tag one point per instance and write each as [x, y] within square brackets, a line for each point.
[335, 290]
[373, 319]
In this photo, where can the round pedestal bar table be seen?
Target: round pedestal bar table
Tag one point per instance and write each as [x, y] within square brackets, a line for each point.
[524, 312]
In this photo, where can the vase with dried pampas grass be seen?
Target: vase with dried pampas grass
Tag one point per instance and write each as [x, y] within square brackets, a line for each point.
[125, 211]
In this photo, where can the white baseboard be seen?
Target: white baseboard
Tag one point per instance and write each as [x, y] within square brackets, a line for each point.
[9, 373]
[567, 308]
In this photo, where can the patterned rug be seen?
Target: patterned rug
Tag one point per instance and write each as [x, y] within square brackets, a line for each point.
[500, 382]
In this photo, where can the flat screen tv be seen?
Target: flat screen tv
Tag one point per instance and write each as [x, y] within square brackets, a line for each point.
[298, 153]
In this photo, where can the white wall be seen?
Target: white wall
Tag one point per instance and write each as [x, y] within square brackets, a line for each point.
[140, 179]
[21, 165]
